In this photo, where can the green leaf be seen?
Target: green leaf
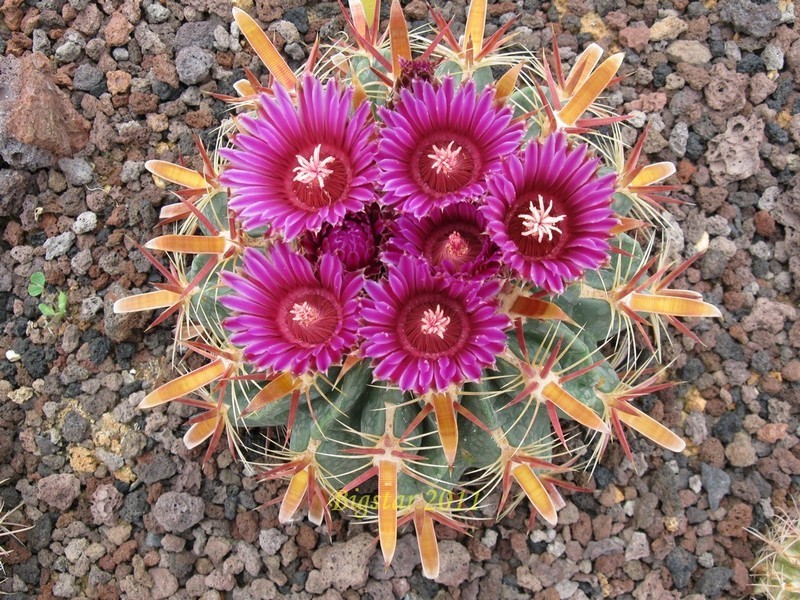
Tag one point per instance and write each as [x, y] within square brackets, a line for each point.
[38, 278]
[34, 290]
[63, 299]
[46, 310]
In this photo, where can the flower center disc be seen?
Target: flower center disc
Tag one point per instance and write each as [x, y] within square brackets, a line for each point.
[317, 177]
[445, 163]
[537, 232]
[431, 326]
[457, 242]
[309, 317]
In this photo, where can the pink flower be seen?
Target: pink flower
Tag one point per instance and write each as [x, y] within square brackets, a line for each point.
[288, 317]
[297, 167]
[425, 332]
[441, 143]
[550, 213]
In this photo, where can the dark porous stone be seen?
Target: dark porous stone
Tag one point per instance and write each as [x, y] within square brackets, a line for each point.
[124, 351]
[750, 64]
[717, 48]
[88, 78]
[660, 75]
[603, 476]
[178, 511]
[41, 534]
[135, 506]
[727, 426]
[38, 359]
[775, 133]
[161, 467]
[692, 370]
[298, 17]
[695, 148]
[200, 34]
[728, 348]
[99, 349]
[713, 582]
[780, 96]
[761, 362]
[130, 388]
[74, 427]
[681, 564]
[717, 484]
[753, 18]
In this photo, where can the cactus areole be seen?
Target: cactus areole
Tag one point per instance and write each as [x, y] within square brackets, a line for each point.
[434, 290]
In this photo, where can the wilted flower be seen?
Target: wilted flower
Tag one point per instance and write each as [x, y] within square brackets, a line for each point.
[452, 241]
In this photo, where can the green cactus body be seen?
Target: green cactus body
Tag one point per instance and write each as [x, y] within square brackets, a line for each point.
[571, 367]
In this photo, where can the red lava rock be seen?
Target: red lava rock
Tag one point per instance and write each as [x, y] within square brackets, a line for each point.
[38, 114]
[772, 432]
[125, 552]
[58, 490]
[791, 372]
[199, 119]
[726, 89]
[118, 30]
[142, 104]
[654, 102]
[119, 82]
[765, 224]
[306, 537]
[712, 452]
[246, 527]
[635, 38]
[738, 518]
[416, 10]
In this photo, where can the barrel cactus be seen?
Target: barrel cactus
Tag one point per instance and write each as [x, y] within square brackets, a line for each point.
[777, 569]
[419, 279]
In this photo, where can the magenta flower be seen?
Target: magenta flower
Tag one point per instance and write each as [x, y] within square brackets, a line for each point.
[452, 241]
[286, 316]
[550, 213]
[297, 167]
[441, 143]
[425, 332]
